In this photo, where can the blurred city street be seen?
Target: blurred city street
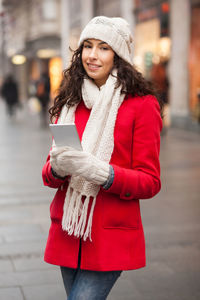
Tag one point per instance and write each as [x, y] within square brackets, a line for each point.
[37, 39]
[171, 220]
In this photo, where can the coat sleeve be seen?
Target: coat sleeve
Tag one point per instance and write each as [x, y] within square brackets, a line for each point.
[48, 179]
[142, 180]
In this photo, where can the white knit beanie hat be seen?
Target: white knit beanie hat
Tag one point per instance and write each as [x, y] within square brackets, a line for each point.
[114, 31]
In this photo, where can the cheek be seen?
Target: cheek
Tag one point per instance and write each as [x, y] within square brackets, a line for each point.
[109, 61]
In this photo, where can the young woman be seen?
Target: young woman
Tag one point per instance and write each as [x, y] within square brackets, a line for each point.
[96, 230]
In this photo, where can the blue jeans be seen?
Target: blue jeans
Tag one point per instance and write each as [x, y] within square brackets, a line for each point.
[88, 285]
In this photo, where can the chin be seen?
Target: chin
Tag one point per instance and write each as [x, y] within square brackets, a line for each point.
[92, 76]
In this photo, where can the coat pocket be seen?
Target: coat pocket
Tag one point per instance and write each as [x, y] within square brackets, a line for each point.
[56, 206]
[118, 213]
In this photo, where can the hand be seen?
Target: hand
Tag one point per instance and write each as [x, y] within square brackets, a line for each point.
[55, 161]
[66, 160]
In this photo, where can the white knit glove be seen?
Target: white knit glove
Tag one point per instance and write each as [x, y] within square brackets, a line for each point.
[66, 160]
[55, 161]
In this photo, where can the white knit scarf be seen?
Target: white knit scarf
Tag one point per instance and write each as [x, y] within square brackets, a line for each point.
[98, 139]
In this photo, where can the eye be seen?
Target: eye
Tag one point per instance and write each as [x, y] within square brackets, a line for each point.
[104, 48]
[87, 46]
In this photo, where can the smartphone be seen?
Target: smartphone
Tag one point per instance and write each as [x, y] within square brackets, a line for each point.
[66, 135]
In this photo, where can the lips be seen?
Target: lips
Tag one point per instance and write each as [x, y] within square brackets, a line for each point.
[93, 66]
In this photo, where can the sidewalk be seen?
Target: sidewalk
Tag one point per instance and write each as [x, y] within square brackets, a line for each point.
[171, 220]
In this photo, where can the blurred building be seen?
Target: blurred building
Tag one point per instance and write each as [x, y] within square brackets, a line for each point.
[36, 34]
[165, 31]
[168, 32]
[30, 34]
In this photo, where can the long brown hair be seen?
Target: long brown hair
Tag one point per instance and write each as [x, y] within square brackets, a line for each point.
[128, 77]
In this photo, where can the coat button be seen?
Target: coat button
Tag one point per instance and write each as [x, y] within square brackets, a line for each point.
[127, 194]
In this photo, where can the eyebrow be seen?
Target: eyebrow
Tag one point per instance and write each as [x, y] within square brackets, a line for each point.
[101, 43]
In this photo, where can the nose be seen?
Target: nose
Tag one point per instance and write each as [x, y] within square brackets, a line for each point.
[93, 53]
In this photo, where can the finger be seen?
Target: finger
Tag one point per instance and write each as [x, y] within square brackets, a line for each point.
[57, 150]
[68, 148]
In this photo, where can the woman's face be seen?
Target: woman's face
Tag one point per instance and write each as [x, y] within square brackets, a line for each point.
[97, 59]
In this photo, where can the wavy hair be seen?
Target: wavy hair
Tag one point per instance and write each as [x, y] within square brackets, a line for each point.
[128, 77]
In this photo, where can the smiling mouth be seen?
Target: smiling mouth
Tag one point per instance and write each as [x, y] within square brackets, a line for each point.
[93, 67]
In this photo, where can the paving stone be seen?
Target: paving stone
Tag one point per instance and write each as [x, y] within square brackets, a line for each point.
[187, 259]
[27, 278]
[24, 214]
[19, 229]
[11, 294]
[32, 263]
[157, 281]
[24, 199]
[45, 226]
[8, 279]
[45, 292]
[20, 249]
[6, 266]
[8, 214]
[124, 289]
[26, 237]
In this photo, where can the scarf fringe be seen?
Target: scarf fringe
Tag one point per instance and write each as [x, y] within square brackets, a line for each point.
[88, 231]
[74, 219]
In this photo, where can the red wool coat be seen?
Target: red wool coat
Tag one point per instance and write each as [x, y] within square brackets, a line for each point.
[117, 232]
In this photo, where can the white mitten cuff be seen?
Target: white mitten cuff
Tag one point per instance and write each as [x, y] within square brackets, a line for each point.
[102, 172]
